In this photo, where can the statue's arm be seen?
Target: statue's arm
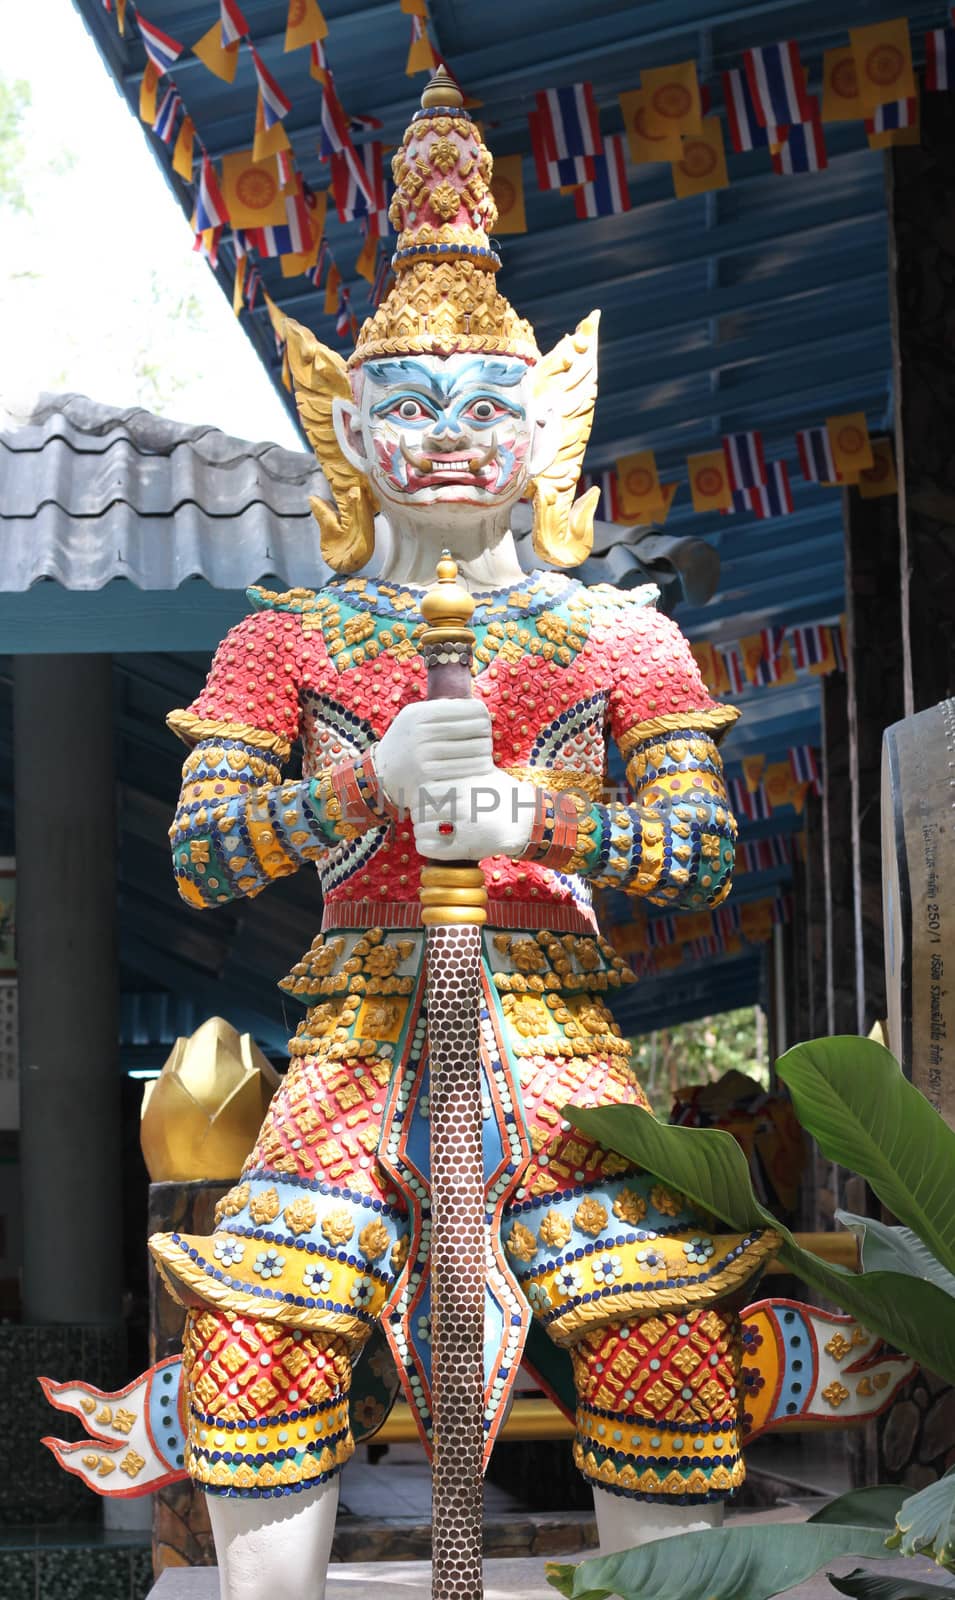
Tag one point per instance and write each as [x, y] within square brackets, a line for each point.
[238, 826]
[673, 838]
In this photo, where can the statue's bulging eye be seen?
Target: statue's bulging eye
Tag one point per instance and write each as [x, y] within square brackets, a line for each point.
[483, 410]
[411, 411]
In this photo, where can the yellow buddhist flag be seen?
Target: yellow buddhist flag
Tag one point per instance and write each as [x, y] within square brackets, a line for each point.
[751, 650]
[276, 316]
[721, 685]
[638, 485]
[778, 784]
[880, 478]
[885, 138]
[644, 145]
[286, 370]
[365, 264]
[304, 24]
[414, 8]
[267, 141]
[121, 15]
[652, 519]
[753, 771]
[671, 99]
[238, 284]
[840, 87]
[785, 669]
[147, 93]
[251, 191]
[849, 443]
[706, 659]
[507, 187]
[709, 481]
[219, 60]
[182, 154]
[421, 56]
[693, 925]
[883, 57]
[756, 920]
[702, 166]
[800, 791]
[332, 285]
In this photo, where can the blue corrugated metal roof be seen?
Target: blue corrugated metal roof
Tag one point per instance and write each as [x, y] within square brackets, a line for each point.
[761, 306]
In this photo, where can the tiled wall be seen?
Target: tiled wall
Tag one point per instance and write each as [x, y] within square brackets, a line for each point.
[73, 1564]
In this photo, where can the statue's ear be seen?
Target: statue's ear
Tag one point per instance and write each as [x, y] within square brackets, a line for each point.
[346, 420]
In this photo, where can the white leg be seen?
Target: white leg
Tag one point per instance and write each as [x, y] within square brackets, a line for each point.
[274, 1549]
[623, 1523]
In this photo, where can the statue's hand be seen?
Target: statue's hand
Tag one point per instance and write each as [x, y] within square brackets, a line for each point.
[469, 819]
[431, 745]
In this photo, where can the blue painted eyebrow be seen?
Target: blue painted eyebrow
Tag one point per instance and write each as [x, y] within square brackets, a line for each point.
[442, 385]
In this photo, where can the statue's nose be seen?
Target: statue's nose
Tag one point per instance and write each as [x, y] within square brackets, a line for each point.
[445, 435]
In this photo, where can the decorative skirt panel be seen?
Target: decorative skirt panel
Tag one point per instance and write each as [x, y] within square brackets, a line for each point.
[328, 1229]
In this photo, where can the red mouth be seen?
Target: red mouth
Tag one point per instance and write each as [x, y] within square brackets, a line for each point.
[450, 470]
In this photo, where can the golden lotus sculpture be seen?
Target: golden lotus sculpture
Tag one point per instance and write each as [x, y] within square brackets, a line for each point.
[201, 1115]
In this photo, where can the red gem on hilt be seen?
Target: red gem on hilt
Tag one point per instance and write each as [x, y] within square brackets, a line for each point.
[446, 829]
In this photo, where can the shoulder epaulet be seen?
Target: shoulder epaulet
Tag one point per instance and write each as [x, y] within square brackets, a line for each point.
[605, 594]
[292, 599]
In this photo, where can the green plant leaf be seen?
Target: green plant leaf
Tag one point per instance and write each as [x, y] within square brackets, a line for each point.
[864, 1585]
[866, 1508]
[896, 1250]
[926, 1521]
[708, 1166]
[851, 1095]
[736, 1563]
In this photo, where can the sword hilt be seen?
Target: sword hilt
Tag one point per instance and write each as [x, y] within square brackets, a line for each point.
[453, 891]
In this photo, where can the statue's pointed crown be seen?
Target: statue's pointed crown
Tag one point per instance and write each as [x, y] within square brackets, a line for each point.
[444, 298]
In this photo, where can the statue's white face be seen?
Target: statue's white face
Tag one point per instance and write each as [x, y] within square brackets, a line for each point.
[456, 430]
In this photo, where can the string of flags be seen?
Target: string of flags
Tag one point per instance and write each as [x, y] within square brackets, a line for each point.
[655, 944]
[772, 657]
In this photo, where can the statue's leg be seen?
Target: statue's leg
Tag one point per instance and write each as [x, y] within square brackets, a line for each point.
[657, 1423]
[268, 1434]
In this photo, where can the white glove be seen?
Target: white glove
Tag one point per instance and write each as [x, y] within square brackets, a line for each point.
[436, 762]
[488, 816]
[433, 742]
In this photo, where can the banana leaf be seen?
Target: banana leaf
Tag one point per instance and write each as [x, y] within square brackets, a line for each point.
[876, 1507]
[731, 1563]
[896, 1250]
[926, 1522]
[708, 1166]
[862, 1585]
[851, 1095]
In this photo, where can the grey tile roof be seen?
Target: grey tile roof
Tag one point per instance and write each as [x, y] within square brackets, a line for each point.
[89, 493]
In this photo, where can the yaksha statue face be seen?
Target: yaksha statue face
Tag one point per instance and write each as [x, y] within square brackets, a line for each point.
[447, 401]
[461, 429]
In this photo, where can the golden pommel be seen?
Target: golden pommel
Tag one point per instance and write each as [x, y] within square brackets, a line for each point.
[441, 90]
[447, 607]
[201, 1116]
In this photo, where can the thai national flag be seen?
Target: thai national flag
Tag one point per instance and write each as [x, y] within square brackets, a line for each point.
[233, 23]
[745, 462]
[608, 504]
[315, 273]
[810, 644]
[351, 198]
[555, 172]
[364, 124]
[940, 59]
[733, 667]
[777, 84]
[805, 767]
[607, 194]
[815, 456]
[802, 150]
[894, 114]
[746, 130]
[838, 647]
[275, 104]
[570, 120]
[318, 66]
[166, 115]
[772, 498]
[211, 209]
[343, 315]
[335, 138]
[162, 49]
[741, 799]
[253, 284]
[293, 237]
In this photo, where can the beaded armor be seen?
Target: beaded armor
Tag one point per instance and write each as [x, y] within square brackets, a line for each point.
[328, 1229]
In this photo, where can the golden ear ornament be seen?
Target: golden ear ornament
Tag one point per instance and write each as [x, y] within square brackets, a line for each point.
[320, 377]
[563, 529]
